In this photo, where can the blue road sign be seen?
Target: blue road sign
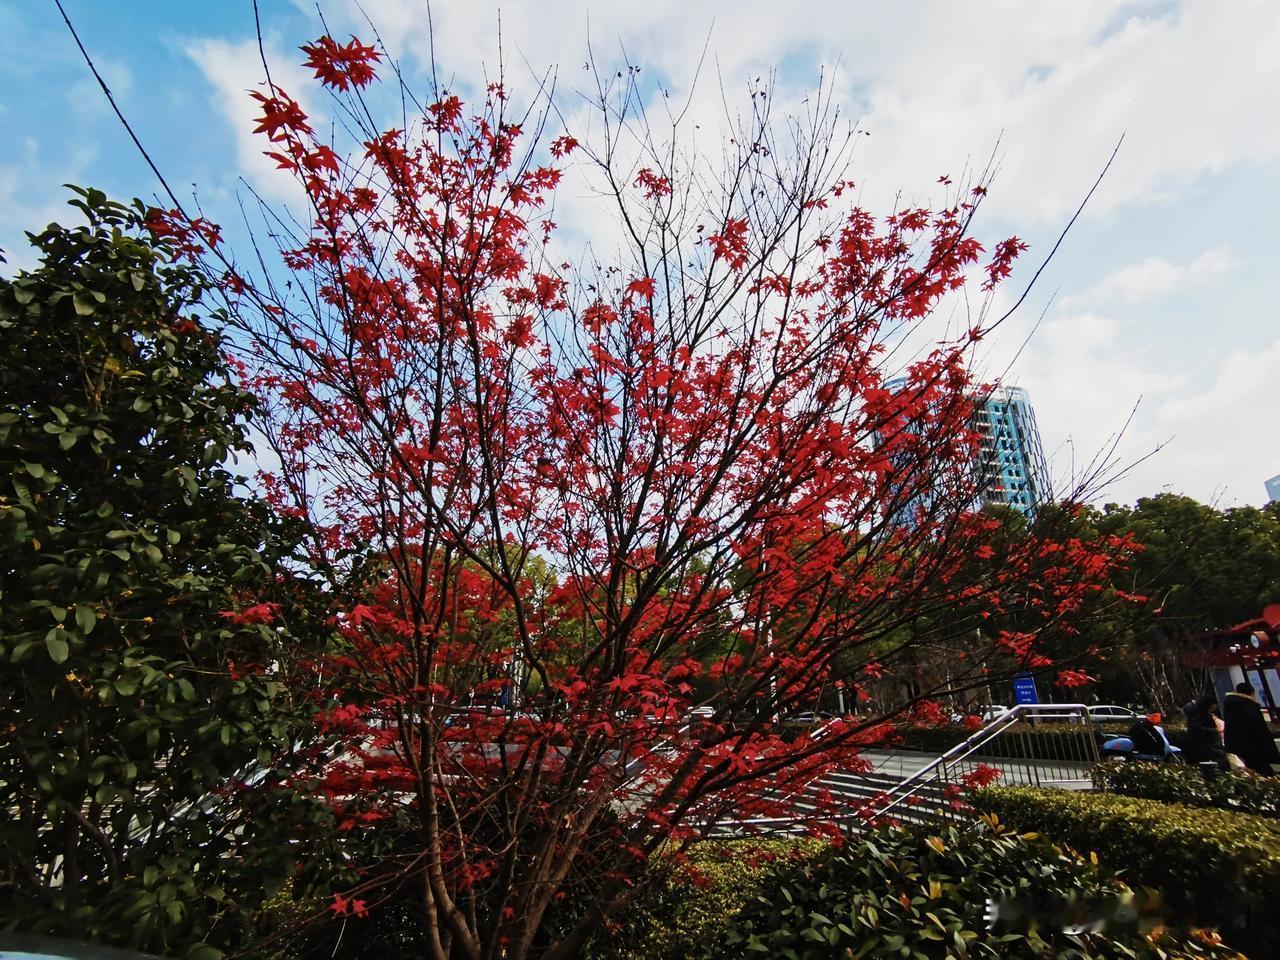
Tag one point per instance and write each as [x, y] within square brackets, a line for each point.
[1024, 689]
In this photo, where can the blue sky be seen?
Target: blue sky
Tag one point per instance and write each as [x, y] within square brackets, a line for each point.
[1165, 292]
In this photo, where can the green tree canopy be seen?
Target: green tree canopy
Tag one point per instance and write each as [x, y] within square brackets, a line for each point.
[1200, 568]
[1205, 567]
[147, 610]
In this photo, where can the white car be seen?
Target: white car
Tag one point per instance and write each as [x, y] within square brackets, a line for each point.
[985, 713]
[1110, 713]
[812, 716]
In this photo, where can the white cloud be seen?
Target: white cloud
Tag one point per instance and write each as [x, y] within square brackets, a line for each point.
[1212, 418]
[1225, 438]
[1153, 278]
[24, 209]
[1186, 87]
[233, 69]
[86, 97]
[1084, 387]
[938, 83]
[1243, 391]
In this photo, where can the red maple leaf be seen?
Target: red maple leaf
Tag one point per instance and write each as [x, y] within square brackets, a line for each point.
[562, 146]
[258, 613]
[644, 287]
[341, 67]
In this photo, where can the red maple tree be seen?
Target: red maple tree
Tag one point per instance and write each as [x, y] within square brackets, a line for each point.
[572, 499]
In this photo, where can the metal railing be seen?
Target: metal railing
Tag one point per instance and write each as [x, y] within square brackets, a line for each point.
[1008, 748]
[636, 765]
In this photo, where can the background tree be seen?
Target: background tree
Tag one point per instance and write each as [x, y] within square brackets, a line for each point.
[689, 423]
[1197, 568]
[1202, 568]
[151, 617]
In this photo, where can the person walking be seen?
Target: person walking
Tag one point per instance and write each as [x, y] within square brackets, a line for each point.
[1204, 741]
[1247, 733]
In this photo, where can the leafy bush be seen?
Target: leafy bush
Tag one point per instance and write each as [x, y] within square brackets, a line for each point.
[916, 893]
[689, 907]
[1215, 868]
[1241, 792]
[151, 612]
[385, 917]
[807, 899]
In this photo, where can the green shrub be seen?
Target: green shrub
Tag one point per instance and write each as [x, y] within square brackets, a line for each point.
[690, 906]
[1215, 868]
[807, 899]
[1240, 792]
[127, 547]
[916, 893]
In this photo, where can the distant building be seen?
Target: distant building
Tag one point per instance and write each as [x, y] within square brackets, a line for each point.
[1273, 488]
[1011, 465]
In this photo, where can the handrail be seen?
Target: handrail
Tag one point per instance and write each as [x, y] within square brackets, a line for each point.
[635, 766]
[912, 785]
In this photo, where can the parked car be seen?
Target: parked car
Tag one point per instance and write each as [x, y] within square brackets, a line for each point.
[1111, 713]
[812, 716]
[700, 714]
[986, 713]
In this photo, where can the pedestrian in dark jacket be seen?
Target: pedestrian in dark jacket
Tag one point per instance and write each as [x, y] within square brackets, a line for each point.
[1247, 733]
[1204, 743]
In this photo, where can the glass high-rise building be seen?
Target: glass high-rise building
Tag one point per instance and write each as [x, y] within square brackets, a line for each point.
[1011, 464]
[1273, 488]
[1013, 469]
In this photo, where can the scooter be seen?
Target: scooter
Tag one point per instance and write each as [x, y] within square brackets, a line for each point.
[1146, 741]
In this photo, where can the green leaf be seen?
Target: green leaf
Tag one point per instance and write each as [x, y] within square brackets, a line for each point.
[86, 619]
[34, 469]
[56, 643]
[83, 305]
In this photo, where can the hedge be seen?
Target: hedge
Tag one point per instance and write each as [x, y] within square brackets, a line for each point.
[806, 899]
[691, 904]
[1215, 868]
[981, 891]
[1240, 792]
